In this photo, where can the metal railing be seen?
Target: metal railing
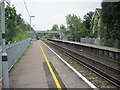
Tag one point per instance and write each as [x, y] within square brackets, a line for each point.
[14, 52]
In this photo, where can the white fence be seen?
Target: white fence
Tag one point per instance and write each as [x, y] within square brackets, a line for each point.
[108, 42]
[90, 40]
[14, 52]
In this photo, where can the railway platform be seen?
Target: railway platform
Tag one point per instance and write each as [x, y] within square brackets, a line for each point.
[39, 67]
[0, 85]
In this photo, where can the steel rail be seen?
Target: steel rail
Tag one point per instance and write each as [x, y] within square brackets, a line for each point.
[96, 70]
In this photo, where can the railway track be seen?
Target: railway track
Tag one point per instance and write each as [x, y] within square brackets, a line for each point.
[106, 72]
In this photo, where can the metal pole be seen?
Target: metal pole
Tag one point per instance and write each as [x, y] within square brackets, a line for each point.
[30, 28]
[4, 54]
[30, 23]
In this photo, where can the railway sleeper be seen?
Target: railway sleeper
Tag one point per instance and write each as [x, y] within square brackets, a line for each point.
[93, 65]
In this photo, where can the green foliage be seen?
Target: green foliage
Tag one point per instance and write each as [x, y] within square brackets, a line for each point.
[87, 23]
[63, 29]
[51, 35]
[16, 28]
[87, 20]
[103, 29]
[109, 24]
[111, 17]
[95, 22]
[55, 27]
[75, 27]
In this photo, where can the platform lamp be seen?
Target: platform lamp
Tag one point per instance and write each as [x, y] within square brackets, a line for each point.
[30, 26]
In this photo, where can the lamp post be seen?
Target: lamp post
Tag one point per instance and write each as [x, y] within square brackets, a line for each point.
[4, 54]
[30, 26]
[33, 34]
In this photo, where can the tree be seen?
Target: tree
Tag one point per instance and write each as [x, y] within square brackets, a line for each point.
[16, 28]
[51, 35]
[87, 20]
[55, 27]
[75, 27]
[63, 29]
[111, 17]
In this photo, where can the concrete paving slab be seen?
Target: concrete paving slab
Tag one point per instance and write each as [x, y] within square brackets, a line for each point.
[29, 71]
[0, 85]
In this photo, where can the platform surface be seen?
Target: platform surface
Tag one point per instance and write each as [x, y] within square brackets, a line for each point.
[0, 85]
[32, 71]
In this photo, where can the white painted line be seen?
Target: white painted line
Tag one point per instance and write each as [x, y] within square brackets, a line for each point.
[80, 75]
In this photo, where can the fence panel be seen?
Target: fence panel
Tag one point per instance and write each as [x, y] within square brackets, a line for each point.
[0, 64]
[14, 52]
[108, 42]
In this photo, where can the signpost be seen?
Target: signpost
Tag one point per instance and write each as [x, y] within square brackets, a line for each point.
[4, 54]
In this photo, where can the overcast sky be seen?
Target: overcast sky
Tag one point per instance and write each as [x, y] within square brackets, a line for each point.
[49, 12]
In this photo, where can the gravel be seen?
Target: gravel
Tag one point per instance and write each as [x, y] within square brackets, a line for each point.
[98, 81]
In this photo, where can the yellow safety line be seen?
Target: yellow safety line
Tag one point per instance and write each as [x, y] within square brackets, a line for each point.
[50, 68]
